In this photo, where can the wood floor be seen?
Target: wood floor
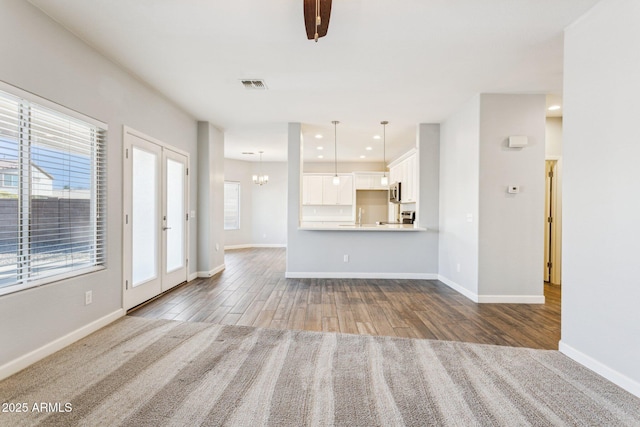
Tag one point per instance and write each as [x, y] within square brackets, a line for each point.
[252, 291]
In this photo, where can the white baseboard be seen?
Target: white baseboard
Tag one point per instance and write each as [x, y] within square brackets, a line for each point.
[511, 299]
[256, 245]
[600, 368]
[492, 299]
[355, 275]
[32, 357]
[192, 276]
[210, 273]
[458, 288]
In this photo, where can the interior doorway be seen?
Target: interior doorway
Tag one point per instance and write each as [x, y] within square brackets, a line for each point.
[552, 230]
[155, 237]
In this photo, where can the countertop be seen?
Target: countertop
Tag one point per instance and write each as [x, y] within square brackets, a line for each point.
[363, 227]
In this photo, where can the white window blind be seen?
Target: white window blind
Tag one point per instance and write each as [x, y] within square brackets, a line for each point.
[231, 205]
[52, 222]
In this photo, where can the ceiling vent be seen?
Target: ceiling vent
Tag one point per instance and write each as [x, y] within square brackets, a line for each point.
[254, 84]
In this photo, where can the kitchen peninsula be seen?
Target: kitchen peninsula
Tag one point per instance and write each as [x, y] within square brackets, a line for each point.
[362, 227]
[339, 247]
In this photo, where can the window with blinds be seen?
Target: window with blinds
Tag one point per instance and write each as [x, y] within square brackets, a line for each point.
[52, 193]
[231, 205]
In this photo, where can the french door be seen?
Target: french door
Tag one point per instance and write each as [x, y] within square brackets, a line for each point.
[155, 224]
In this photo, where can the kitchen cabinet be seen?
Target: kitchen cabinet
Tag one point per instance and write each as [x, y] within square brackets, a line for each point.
[345, 190]
[319, 189]
[369, 181]
[312, 189]
[405, 171]
[341, 194]
[411, 180]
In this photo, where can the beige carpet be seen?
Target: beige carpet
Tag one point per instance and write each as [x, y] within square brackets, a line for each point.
[142, 372]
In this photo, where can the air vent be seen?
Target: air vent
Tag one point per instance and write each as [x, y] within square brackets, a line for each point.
[254, 84]
[248, 152]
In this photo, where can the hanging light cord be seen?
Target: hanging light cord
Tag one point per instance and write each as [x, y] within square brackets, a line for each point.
[384, 145]
[335, 145]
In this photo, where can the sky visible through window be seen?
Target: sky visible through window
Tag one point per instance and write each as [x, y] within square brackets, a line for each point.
[69, 171]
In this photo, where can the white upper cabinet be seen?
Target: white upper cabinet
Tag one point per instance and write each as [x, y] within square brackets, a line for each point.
[312, 190]
[405, 171]
[411, 180]
[345, 190]
[319, 189]
[369, 181]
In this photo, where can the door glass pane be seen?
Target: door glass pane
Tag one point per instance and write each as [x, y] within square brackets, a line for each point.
[175, 215]
[144, 218]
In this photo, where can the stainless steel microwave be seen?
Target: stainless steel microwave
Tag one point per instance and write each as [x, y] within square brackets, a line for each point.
[394, 192]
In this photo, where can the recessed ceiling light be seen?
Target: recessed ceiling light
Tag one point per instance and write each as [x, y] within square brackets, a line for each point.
[554, 108]
[369, 148]
[321, 156]
[376, 136]
[319, 147]
[318, 136]
[363, 156]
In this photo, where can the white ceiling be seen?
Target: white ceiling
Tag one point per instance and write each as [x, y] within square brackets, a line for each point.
[405, 61]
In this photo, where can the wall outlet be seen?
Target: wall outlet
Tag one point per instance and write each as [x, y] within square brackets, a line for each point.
[513, 189]
[88, 297]
[346, 258]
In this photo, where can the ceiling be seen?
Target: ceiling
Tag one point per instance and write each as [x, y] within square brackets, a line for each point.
[408, 62]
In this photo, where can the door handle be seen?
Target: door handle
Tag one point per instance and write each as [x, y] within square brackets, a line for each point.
[166, 228]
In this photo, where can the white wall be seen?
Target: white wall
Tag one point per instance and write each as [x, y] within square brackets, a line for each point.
[491, 242]
[241, 171]
[371, 254]
[459, 189]
[269, 206]
[511, 233]
[210, 200]
[553, 137]
[41, 57]
[601, 292]
[263, 209]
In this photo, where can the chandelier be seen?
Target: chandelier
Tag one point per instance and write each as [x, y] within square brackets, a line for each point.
[260, 179]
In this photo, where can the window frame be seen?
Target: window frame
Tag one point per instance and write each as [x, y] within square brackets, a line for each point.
[98, 195]
[13, 179]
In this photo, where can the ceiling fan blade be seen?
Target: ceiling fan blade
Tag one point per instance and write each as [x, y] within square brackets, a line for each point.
[310, 17]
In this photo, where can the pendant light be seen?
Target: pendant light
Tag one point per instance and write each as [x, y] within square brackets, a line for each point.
[336, 179]
[385, 179]
[260, 179]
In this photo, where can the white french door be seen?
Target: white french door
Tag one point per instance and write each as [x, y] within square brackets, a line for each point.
[155, 218]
